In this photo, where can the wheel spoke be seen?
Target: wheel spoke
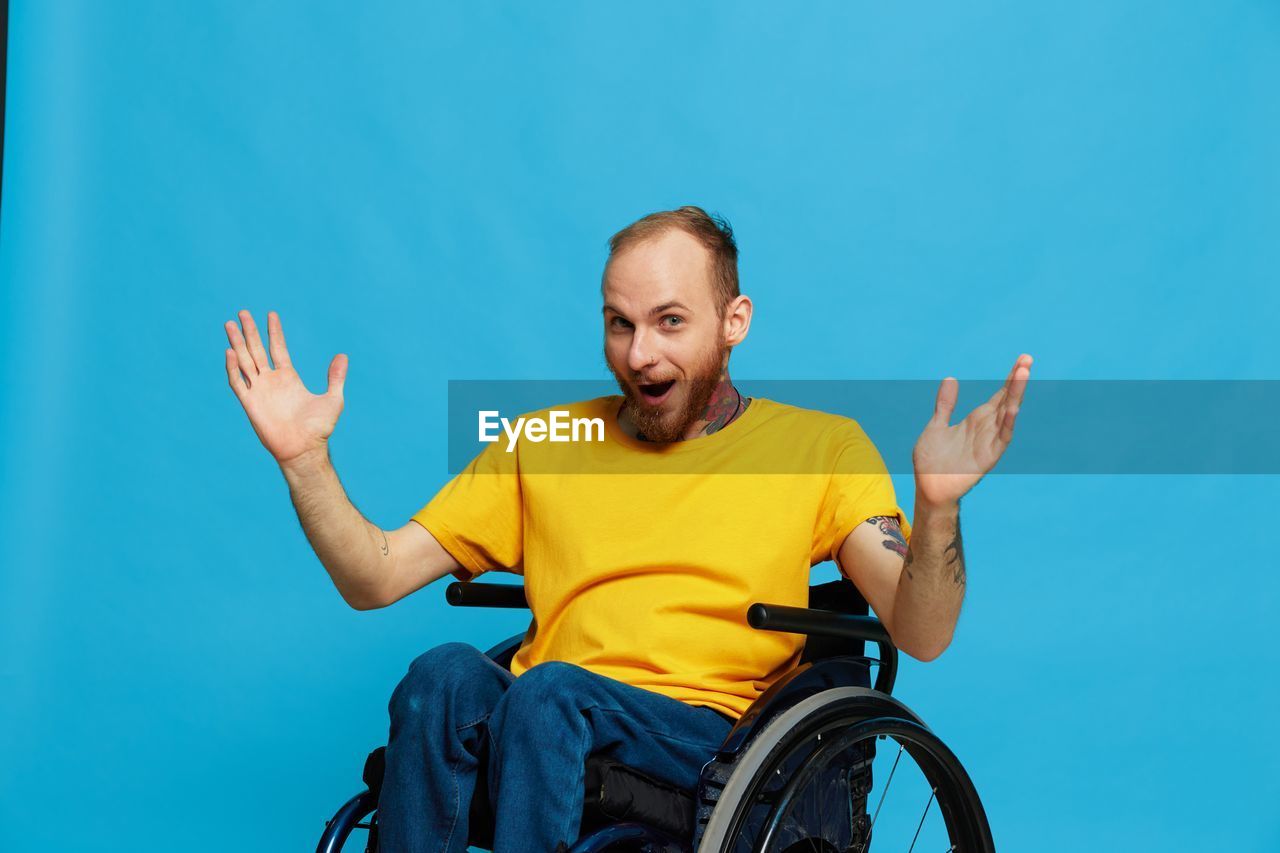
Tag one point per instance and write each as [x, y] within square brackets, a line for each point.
[887, 782]
[932, 792]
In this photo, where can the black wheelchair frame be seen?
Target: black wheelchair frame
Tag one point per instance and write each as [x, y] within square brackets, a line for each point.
[778, 742]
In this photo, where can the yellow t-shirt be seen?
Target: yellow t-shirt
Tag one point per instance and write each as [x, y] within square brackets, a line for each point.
[640, 560]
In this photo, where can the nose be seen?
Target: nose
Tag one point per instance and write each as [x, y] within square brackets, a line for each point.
[640, 355]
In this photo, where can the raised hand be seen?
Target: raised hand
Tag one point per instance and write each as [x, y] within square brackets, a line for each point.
[950, 460]
[289, 420]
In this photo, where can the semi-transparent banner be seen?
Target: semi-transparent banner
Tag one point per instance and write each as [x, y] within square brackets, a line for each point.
[1065, 426]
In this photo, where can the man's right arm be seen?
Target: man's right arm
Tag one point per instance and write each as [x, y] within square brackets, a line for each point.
[371, 567]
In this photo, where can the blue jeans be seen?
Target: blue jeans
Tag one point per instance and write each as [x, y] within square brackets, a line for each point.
[541, 727]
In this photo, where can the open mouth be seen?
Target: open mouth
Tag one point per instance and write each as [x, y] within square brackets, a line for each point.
[656, 393]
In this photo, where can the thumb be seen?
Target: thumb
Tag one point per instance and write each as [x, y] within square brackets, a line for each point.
[337, 375]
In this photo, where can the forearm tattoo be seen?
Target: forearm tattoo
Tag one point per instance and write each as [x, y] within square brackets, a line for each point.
[386, 546]
[954, 555]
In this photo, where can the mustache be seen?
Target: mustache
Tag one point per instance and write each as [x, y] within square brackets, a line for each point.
[679, 380]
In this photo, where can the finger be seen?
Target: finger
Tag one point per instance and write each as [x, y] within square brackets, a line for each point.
[1011, 391]
[337, 376]
[275, 334]
[1006, 426]
[1018, 380]
[255, 342]
[945, 404]
[247, 367]
[234, 377]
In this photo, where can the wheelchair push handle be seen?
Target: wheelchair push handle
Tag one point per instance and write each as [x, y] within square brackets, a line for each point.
[766, 617]
[485, 595]
[829, 623]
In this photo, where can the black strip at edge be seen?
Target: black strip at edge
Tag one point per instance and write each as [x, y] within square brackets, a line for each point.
[4, 83]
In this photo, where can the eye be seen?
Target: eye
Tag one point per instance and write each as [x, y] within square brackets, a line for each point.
[678, 320]
[618, 322]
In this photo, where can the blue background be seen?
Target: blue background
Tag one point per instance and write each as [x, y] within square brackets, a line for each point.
[918, 190]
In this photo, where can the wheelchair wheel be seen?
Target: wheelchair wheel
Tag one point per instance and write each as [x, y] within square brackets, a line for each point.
[350, 817]
[838, 769]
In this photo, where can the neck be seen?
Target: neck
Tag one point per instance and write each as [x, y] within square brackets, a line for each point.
[724, 407]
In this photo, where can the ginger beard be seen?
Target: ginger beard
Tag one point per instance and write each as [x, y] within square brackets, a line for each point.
[676, 402]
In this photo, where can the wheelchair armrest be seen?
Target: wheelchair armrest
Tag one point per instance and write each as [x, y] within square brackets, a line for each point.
[473, 594]
[829, 623]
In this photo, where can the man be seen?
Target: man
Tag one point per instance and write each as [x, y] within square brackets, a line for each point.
[638, 568]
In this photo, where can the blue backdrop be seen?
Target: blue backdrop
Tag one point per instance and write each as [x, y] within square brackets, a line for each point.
[918, 190]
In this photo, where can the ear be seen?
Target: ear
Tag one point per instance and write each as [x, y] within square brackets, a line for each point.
[737, 320]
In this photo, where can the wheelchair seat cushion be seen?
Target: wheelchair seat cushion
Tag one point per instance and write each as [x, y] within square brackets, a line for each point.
[616, 792]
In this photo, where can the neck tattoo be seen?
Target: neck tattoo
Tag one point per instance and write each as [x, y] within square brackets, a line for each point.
[715, 424]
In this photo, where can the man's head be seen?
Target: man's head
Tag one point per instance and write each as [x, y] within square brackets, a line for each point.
[672, 313]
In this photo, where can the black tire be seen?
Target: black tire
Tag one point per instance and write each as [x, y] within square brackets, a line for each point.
[824, 733]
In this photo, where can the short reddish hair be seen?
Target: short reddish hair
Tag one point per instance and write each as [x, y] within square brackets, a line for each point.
[711, 230]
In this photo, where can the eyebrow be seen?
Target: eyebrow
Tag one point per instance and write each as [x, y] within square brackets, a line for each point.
[666, 306]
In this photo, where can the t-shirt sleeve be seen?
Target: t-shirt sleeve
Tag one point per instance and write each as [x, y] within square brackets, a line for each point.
[859, 487]
[478, 517]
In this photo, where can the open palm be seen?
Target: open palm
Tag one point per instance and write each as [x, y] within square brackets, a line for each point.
[289, 420]
[950, 460]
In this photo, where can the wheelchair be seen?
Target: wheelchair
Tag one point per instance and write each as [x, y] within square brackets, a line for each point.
[797, 772]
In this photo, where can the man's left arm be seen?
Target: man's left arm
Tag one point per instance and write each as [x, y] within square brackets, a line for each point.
[914, 587]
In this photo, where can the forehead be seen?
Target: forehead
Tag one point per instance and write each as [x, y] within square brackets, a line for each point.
[671, 266]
